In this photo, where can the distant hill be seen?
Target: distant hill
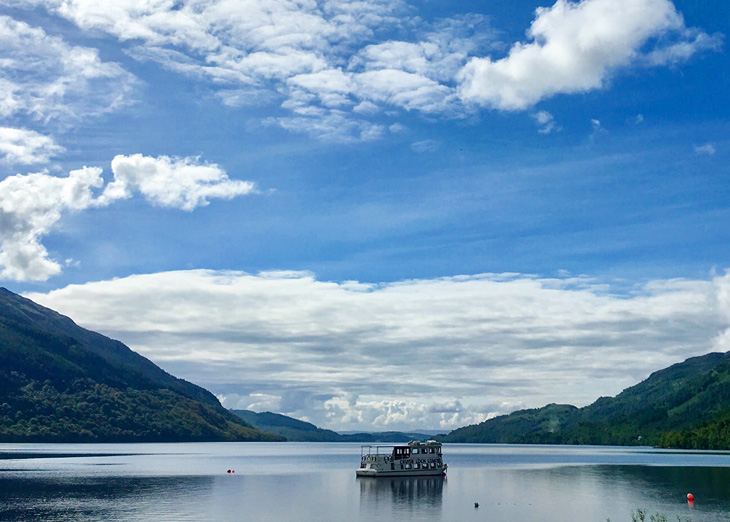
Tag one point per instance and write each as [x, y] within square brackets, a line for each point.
[62, 383]
[288, 427]
[686, 405]
[300, 431]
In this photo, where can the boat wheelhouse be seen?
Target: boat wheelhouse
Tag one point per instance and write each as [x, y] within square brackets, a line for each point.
[413, 459]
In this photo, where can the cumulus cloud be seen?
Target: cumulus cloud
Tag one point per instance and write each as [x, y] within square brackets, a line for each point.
[47, 79]
[171, 182]
[32, 204]
[575, 46]
[27, 147]
[432, 353]
[29, 207]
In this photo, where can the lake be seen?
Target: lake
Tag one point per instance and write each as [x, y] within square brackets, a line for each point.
[305, 482]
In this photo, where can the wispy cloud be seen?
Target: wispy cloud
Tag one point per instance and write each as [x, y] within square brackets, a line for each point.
[425, 146]
[26, 147]
[428, 353]
[32, 204]
[546, 122]
[708, 149]
[47, 79]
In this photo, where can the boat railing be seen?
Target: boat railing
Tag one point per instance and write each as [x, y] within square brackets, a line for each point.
[380, 451]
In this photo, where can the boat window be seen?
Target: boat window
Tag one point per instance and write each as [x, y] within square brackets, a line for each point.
[415, 450]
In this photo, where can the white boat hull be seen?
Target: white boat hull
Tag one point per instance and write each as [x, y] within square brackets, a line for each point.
[400, 473]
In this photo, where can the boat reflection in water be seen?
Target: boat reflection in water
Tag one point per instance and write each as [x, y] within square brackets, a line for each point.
[418, 498]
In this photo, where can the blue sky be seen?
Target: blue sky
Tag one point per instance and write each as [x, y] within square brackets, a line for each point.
[486, 196]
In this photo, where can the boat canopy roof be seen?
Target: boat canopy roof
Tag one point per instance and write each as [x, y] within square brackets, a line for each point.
[412, 444]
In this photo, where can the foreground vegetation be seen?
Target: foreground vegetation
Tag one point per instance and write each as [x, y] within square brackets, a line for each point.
[640, 516]
[684, 406]
[62, 383]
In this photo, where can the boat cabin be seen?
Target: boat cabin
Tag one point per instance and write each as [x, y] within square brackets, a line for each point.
[415, 458]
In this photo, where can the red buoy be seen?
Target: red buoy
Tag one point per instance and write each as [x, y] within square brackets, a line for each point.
[690, 498]
[233, 471]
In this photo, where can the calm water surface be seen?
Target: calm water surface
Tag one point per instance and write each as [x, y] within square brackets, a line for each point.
[306, 482]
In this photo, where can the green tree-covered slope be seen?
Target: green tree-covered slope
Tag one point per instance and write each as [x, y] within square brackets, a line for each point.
[62, 383]
[288, 427]
[686, 405]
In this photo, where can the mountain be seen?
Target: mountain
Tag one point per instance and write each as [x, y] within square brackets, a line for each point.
[300, 431]
[289, 428]
[686, 405]
[62, 383]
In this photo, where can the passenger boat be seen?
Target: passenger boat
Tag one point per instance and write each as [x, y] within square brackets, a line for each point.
[414, 459]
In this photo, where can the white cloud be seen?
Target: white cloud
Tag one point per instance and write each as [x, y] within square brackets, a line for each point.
[32, 204]
[330, 55]
[693, 42]
[332, 86]
[425, 146]
[428, 353]
[574, 47]
[331, 125]
[272, 39]
[546, 121]
[171, 182]
[397, 128]
[366, 107]
[297, 50]
[245, 97]
[404, 89]
[45, 78]
[26, 147]
[708, 149]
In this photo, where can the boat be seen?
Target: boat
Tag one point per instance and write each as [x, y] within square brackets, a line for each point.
[417, 459]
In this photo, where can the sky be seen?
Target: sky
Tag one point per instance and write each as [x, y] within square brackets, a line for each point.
[374, 215]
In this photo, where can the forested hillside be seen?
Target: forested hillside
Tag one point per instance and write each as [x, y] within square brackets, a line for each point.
[684, 406]
[62, 383]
